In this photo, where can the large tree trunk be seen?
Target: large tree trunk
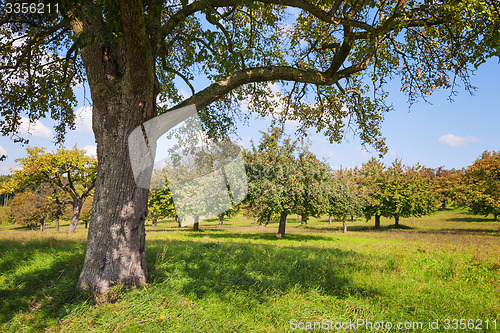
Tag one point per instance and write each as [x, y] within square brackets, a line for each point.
[77, 208]
[377, 221]
[122, 83]
[282, 226]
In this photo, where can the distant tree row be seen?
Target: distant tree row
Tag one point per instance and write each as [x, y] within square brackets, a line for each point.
[284, 178]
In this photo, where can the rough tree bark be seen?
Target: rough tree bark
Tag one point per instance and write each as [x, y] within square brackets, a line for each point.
[122, 83]
[282, 226]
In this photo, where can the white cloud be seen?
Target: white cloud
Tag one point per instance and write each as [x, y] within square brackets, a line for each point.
[36, 128]
[244, 141]
[91, 150]
[4, 170]
[184, 94]
[319, 139]
[364, 152]
[83, 119]
[328, 153]
[457, 141]
[3, 151]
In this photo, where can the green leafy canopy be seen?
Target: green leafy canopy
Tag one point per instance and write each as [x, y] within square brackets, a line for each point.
[332, 59]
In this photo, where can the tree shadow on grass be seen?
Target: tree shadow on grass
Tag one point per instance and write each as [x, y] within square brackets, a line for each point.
[261, 236]
[257, 270]
[360, 228]
[456, 231]
[39, 278]
[472, 219]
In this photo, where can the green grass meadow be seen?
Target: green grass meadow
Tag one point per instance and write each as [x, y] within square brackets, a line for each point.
[241, 278]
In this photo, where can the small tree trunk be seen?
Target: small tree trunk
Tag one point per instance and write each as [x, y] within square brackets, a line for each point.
[495, 217]
[298, 218]
[196, 225]
[330, 219]
[282, 226]
[352, 218]
[155, 220]
[377, 221]
[179, 221]
[443, 204]
[221, 219]
[396, 220]
[57, 222]
[303, 219]
[86, 223]
[77, 208]
[345, 224]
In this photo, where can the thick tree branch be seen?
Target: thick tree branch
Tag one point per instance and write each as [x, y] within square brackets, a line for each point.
[362, 65]
[138, 48]
[258, 74]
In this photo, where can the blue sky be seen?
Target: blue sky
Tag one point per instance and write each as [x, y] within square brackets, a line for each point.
[444, 133]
